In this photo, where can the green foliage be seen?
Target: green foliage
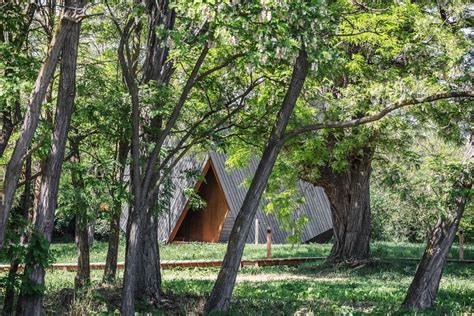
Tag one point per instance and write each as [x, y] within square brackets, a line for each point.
[37, 254]
[416, 186]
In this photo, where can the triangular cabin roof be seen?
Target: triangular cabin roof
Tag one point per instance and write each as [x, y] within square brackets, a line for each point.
[229, 185]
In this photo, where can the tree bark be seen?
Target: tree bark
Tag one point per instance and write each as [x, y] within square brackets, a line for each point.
[81, 227]
[83, 259]
[135, 220]
[148, 275]
[348, 192]
[30, 123]
[219, 299]
[424, 287]
[110, 269]
[350, 205]
[30, 301]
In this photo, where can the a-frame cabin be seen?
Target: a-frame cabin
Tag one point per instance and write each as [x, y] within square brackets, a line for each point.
[224, 193]
[204, 224]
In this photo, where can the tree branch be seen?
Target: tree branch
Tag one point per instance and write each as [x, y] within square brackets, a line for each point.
[224, 64]
[378, 116]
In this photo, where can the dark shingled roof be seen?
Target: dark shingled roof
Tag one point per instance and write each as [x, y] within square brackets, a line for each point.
[315, 207]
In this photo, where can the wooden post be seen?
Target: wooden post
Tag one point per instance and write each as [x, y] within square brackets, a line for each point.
[269, 243]
[461, 244]
[256, 231]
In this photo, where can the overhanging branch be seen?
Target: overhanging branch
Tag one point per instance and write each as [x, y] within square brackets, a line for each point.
[377, 116]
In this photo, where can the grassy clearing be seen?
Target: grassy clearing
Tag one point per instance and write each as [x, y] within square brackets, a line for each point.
[316, 288]
[66, 253]
[310, 287]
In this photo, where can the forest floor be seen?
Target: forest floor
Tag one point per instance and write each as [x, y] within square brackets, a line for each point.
[314, 287]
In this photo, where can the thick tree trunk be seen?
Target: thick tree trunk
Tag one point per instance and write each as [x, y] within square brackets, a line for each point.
[148, 277]
[30, 301]
[30, 123]
[349, 196]
[132, 260]
[424, 287]
[348, 192]
[222, 291]
[82, 236]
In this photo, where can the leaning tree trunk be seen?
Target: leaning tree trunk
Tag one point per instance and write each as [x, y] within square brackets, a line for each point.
[219, 299]
[424, 287]
[30, 123]
[31, 295]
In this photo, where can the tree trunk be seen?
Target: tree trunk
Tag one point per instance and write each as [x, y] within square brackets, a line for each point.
[131, 260]
[31, 295]
[222, 291]
[12, 273]
[136, 216]
[30, 123]
[110, 270]
[424, 287]
[82, 237]
[91, 231]
[349, 196]
[7, 129]
[348, 192]
[83, 258]
[148, 275]
[112, 251]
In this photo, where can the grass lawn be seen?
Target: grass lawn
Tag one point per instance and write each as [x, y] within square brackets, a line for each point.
[66, 253]
[309, 288]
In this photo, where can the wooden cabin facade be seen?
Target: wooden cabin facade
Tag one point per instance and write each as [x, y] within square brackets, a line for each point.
[224, 194]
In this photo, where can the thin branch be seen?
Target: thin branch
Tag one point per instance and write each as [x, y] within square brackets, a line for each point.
[226, 62]
[173, 117]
